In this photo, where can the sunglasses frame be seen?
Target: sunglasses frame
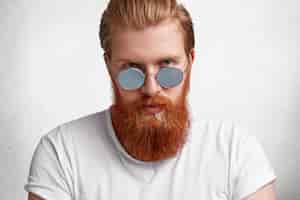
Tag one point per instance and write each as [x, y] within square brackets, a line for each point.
[144, 75]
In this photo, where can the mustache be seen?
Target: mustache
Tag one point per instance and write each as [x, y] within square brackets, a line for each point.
[158, 101]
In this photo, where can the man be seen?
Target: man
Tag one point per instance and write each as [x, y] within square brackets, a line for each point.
[146, 146]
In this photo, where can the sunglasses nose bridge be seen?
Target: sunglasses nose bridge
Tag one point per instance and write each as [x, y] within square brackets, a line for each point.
[151, 86]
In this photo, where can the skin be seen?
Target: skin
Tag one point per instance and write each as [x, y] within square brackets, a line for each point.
[150, 48]
[32, 196]
[266, 192]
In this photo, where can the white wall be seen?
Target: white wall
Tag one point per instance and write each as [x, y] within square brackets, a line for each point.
[51, 71]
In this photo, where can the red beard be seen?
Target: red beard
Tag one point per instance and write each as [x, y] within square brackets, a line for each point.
[149, 138]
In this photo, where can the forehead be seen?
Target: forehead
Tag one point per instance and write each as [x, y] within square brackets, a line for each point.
[164, 39]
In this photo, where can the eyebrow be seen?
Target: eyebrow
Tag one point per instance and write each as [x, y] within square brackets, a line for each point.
[159, 60]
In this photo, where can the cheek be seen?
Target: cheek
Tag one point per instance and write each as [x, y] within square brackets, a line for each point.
[128, 97]
[174, 93]
[178, 93]
[122, 95]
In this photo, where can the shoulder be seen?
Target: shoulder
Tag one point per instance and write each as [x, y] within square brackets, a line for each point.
[65, 138]
[223, 133]
[84, 125]
[222, 138]
[230, 145]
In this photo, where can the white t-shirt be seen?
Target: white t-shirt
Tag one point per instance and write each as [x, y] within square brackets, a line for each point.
[83, 160]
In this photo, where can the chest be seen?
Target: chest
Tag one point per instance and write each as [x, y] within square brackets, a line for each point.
[179, 179]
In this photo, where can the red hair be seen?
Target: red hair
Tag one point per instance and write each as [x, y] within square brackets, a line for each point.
[139, 14]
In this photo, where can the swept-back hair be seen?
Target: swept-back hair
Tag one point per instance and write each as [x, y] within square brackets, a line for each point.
[139, 14]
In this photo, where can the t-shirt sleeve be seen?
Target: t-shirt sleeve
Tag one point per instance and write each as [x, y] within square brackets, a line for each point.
[49, 175]
[250, 167]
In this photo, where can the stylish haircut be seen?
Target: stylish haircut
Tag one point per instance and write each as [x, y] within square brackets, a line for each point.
[138, 14]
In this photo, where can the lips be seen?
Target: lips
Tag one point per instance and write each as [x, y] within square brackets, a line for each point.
[153, 109]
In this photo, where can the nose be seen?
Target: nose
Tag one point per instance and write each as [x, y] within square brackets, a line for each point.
[151, 87]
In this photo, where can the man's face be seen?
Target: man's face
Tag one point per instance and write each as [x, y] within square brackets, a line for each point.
[150, 133]
[149, 49]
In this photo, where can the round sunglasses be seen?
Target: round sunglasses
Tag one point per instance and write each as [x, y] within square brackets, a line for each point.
[133, 78]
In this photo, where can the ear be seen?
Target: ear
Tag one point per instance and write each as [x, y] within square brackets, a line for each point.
[107, 63]
[191, 58]
[106, 59]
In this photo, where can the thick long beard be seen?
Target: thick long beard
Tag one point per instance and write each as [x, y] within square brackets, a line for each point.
[150, 137]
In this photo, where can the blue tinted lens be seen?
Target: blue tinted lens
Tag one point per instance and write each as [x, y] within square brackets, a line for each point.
[169, 77]
[131, 79]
